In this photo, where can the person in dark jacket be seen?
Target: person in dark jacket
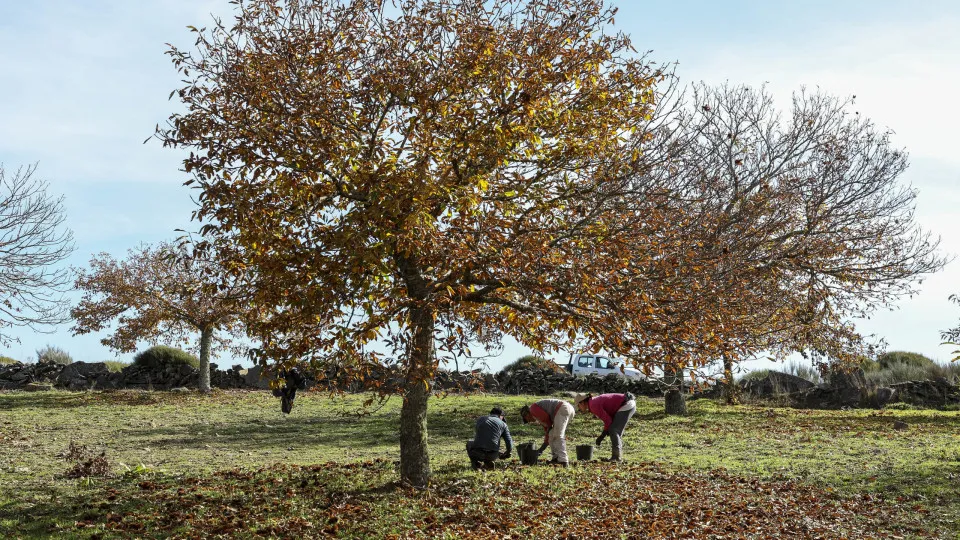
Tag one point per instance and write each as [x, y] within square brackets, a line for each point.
[293, 380]
[488, 433]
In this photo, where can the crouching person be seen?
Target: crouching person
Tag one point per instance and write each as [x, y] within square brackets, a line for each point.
[489, 431]
[614, 410]
[553, 415]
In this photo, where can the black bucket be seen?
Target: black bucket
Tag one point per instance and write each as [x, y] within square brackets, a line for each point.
[526, 453]
[584, 452]
[469, 444]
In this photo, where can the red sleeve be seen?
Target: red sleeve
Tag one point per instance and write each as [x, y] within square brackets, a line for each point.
[541, 415]
[596, 407]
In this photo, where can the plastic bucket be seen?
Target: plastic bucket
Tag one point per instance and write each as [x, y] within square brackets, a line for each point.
[469, 444]
[584, 452]
[528, 456]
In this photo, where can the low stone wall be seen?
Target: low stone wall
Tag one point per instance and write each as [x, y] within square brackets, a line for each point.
[846, 390]
[545, 382]
[535, 382]
[86, 376]
[850, 389]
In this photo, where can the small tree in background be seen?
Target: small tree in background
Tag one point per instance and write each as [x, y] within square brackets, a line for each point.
[952, 336]
[33, 241]
[165, 292]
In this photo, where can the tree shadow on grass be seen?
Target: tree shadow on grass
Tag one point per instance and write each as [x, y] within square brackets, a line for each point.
[15, 400]
[274, 435]
[862, 419]
[50, 400]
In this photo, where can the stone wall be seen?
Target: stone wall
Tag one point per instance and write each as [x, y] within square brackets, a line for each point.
[844, 390]
[545, 382]
[850, 389]
[86, 376]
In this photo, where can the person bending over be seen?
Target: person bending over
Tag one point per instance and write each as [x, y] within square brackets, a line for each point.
[553, 415]
[615, 410]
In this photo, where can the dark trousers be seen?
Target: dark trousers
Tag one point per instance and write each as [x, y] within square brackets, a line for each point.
[480, 457]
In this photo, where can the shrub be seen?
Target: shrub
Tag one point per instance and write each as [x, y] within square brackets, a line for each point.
[949, 371]
[891, 358]
[115, 366]
[869, 365]
[55, 355]
[161, 356]
[88, 463]
[897, 373]
[531, 361]
[7, 360]
[755, 375]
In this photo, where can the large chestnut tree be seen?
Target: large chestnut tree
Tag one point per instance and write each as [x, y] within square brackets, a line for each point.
[430, 174]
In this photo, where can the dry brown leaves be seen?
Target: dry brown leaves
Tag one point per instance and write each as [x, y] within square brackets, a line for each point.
[641, 500]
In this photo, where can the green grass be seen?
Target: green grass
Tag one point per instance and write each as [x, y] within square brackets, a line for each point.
[232, 464]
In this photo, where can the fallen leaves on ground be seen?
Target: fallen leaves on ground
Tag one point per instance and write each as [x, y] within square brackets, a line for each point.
[587, 501]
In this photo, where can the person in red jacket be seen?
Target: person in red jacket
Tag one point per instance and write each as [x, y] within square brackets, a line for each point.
[553, 415]
[615, 410]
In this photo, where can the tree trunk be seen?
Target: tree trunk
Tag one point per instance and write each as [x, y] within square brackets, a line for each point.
[674, 402]
[414, 454]
[730, 392]
[206, 336]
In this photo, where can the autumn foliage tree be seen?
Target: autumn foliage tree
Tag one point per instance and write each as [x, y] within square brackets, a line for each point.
[802, 221]
[167, 293]
[429, 175]
[34, 241]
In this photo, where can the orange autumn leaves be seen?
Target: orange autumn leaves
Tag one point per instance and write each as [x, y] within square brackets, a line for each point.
[408, 181]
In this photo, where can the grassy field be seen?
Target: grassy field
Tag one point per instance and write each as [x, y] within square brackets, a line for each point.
[137, 464]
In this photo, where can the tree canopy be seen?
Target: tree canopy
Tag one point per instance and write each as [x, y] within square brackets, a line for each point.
[431, 174]
[441, 172]
[802, 221]
[160, 293]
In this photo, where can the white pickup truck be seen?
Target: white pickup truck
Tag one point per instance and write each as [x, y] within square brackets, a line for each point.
[583, 364]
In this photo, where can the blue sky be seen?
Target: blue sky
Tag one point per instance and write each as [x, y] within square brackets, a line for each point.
[84, 83]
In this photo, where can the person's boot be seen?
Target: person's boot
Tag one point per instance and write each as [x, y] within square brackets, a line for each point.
[615, 455]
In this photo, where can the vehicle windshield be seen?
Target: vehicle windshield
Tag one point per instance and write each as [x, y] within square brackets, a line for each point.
[605, 363]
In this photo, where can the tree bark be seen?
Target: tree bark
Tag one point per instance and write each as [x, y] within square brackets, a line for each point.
[414, 454]
[674, 402]
[730, 390]
[206, 337]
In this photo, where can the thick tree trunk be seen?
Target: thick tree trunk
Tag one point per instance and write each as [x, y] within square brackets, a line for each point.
[730, 392]
[674, 402]
[414, 454]
[206, 337]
